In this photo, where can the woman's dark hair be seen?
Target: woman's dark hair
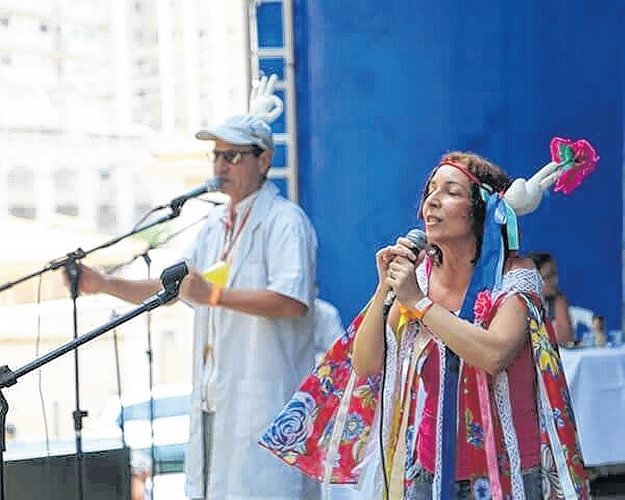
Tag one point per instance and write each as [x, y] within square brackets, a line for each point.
[488, 173]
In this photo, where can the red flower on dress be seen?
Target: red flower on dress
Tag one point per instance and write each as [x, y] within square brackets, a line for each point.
[483, 306]
[576, 160]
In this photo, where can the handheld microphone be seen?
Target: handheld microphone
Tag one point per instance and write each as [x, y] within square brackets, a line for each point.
[209, 186]
[420, 240]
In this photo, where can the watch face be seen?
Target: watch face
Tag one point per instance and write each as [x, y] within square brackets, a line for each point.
[422, 304]
[422, 307]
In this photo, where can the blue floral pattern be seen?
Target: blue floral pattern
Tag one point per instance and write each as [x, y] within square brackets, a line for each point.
[354, 425]
[290, 430]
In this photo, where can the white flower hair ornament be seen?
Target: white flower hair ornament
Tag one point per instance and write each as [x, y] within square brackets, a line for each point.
[524, 196]
[263, 103]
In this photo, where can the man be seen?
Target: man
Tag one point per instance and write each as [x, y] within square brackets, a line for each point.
[253, 338]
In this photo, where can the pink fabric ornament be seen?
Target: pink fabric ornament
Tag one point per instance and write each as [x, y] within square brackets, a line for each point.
[576, 160]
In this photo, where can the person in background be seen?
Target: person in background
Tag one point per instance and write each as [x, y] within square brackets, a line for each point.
[327, 326]
[11, 432]
[556, 303]
[598, 331]
[140, 473]
[253, 337]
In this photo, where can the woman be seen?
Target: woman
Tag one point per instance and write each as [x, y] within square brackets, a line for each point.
[468, 334]
[556, 304]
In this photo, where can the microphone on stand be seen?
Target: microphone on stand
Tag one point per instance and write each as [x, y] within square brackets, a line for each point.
[420, 240]
[209, 186]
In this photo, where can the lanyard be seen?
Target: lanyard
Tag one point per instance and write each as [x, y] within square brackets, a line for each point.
[229, 238]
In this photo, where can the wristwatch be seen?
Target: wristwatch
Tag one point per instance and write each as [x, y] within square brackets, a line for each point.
[422, 306]
[418, 310]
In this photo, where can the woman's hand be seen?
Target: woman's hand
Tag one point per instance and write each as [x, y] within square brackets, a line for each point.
[383, 259]
[400, 274]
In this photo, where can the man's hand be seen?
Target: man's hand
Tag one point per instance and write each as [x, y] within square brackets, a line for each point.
[195, 288]
[90, 280]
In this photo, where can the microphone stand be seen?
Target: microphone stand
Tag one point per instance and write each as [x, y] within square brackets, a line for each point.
[118, 376]
[148, 352]
[171, 279]
[73, 273]
[72, 269]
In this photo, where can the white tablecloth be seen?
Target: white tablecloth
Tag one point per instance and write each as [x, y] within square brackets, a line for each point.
[596, 379]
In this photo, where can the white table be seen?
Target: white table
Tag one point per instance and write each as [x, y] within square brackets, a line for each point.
[596, 379]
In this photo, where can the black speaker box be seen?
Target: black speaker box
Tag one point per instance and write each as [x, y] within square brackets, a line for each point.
[106, 476]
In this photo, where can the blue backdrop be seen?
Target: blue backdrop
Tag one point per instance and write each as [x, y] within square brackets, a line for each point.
[385, 88]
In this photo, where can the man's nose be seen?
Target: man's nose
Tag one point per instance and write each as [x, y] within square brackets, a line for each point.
[220, 165]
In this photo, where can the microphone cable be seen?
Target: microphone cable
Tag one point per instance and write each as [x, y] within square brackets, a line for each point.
[39, 378]
[419, 238]
[385, 478]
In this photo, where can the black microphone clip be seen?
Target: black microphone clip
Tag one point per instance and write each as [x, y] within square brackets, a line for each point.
[210, 186]
[171, 279]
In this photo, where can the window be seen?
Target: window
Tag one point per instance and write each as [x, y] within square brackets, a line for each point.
[21, 195]
[22, 210]
[65, 185]
[107, 218]
[21, 178]
[66, 209]
[104, 174]
[65, 181]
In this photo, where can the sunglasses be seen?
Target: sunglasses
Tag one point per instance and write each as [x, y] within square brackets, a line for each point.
[232, 156]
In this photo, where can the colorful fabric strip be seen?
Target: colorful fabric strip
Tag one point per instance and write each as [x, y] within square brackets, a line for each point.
[489, 435]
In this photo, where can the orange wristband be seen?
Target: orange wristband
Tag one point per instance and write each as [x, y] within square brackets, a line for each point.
[410, 314]
[215, 295]
[418, 310]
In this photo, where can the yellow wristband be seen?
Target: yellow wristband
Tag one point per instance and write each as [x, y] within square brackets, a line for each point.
[215, 295]
[418, 310]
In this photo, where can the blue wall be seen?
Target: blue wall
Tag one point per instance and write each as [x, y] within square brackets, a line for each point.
[385, 88]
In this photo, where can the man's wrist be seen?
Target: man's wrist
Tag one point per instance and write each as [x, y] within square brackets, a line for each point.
[105, 284]
[214, 296]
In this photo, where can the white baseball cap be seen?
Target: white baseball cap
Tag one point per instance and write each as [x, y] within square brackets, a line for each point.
[241, 130]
